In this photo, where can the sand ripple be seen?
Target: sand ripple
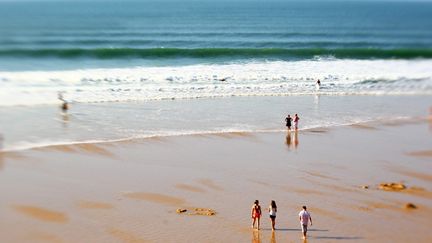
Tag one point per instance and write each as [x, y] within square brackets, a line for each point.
[42, 214]
[155, 197]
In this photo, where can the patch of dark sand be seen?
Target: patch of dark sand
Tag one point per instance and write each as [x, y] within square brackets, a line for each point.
[336, 186]
[159, 139]
[303, 191]
[210, 184]
[196, 211]
[414, 174]
[94, 205]
[394, 206]
[94, 149]
[12, 155]
[419, 192]
[233, 134]
[407, 121]
[43, 237]
[190, 188]
[363, 126]
[260, 182]
[42, 214]
[317, 130]
[372, 205]
[423, 153]
[125, 236]
[316, 174]
[339, 187]
[90, 148]
[399, 206]
[155, 198]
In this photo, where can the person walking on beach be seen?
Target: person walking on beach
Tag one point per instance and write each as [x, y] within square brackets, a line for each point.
[256, 214]
[272, 212]
[304, 217]
[296, 120]
[318, 85]
[288, 120]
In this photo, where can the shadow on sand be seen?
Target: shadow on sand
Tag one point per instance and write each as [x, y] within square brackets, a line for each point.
[298, 230]
[336, 237]
[317, 237]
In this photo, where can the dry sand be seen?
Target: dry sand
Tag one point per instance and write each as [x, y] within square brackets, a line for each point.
[129, 192]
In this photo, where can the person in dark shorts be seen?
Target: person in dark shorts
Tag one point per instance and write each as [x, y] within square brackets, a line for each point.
[288, 121]
[272, 212]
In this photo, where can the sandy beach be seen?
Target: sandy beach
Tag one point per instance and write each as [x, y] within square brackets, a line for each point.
[129, 191]
[163, 121]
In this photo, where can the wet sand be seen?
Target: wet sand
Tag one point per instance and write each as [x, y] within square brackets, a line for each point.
[129, 192]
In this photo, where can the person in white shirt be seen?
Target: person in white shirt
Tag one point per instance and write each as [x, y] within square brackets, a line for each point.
[305, 217]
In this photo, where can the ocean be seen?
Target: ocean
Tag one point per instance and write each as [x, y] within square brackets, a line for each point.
[136, 69]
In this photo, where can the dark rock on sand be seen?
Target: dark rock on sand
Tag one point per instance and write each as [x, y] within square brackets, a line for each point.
[392, 186]
[410, 206]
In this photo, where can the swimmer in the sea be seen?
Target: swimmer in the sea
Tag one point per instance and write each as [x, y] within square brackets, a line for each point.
[64, 105]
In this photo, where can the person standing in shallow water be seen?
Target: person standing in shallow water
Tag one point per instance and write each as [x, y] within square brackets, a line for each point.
[296, 120]
[256, 214]
[64, 105]
[272, 212]
[304, 217]
[288, 120]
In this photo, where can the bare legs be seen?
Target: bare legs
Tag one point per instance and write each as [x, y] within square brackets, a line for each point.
[304, 230]
[256, 219]
[273, 222]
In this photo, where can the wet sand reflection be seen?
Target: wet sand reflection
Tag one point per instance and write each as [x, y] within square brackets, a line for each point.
[292, 141]
[430, 119]
[273, 237]
[1, 152]
[256, 238]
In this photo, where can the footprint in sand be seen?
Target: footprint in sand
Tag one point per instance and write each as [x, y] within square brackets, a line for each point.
[42, 214]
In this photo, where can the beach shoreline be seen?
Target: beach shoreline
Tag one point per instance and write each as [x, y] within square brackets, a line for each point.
[130, 191]
[153, 121]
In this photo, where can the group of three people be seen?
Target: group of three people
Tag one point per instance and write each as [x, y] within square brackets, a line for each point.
[289, 121]
[304, 216]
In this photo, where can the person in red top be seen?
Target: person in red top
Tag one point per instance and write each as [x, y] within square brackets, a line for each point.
[256, 214]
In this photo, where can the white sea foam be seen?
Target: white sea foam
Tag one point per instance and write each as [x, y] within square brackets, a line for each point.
[276, 78]
[25, 145]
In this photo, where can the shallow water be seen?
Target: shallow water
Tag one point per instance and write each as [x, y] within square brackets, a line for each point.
[26, 127]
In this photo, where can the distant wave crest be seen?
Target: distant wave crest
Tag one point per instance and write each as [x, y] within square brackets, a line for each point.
[242, 53]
